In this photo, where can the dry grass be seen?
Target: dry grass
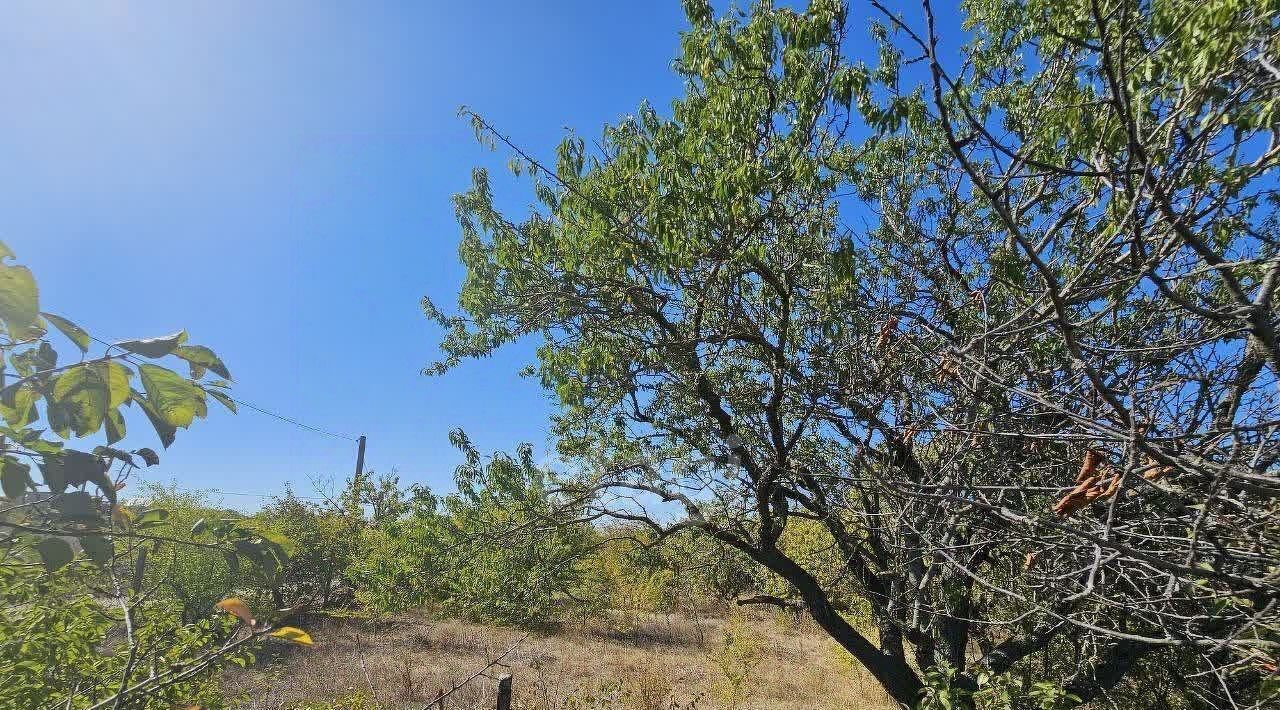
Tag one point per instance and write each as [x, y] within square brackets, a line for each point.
[658, 663]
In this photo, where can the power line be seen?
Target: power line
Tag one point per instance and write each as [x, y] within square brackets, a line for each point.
[249, 405]
[288, 420]
[216, 491]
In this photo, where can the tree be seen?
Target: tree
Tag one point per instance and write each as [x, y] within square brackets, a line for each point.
[502, 548]
[1031, 402]
[73, 557]
[323, 540]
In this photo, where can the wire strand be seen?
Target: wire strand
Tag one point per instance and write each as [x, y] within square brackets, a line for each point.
[294, 422]
[261, 410]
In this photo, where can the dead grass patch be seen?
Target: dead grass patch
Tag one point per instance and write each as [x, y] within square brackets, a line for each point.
[657, 663]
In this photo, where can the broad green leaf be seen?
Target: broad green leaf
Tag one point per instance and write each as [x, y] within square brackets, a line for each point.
[60, 418]
[15, 477]
[54, 552]
[19, 300]
[166, 431]
[74, 333]
[87, 392]
[76, 468]
[34, 360]
[76, 505]
[44, 357]
[100, 549]
[114, 425]
[116, 376]
[175, 399]
[139, 569]
[201, 357]
[249, 549]
[154, 347]
[6, 252]
[223, 398]
[84, 403]
[148, 456]
[269, 567]
[117, 454]
[289, 633]
[202, 402]
[17, 404]
[151, 518]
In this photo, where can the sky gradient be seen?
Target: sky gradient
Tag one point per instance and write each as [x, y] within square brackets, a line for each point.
[276, 179]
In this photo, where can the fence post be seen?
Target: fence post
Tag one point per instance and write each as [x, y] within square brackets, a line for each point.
[504, 692]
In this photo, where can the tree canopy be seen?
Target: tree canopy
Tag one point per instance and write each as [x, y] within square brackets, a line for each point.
[1002, 326]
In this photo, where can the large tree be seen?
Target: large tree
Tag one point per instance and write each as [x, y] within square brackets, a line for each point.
[1005, 329]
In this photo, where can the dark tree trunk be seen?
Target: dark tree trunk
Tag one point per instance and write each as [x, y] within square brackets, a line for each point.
[955, 631]
[1110, 669]
[886, 664]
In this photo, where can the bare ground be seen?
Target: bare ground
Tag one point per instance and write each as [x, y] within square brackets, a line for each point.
[653, 663]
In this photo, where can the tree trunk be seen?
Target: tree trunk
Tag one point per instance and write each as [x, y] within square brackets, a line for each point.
[889, 669]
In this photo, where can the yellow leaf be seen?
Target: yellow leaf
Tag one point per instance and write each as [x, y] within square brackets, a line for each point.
[289, 633]
[122, 517]
[237, 608]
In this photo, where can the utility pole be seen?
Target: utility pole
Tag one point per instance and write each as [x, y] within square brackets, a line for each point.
[360, 458]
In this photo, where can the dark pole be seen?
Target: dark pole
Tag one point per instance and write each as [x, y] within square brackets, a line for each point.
[360, 458]
[504, 692]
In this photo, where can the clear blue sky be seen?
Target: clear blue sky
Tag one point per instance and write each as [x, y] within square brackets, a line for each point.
[275, 178]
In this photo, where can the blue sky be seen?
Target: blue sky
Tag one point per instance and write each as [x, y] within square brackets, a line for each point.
[275, 178]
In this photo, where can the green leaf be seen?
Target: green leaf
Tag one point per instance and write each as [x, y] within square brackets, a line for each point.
[54, 552]
[154, 347]
[166, 431]
[17, 404]
[15, 477]
[201, 357]
[117, 454]
[76, 504]
[116, 377]
[76, 468]
[175, 399]
[74, 333]
[151, 518]
[139, 569]
[99, 549]
[114, 424]
[148, 456]
[82, 396]
[87, 392]
[59, 416]
[19, 300]
[249, 549]
[223, 398]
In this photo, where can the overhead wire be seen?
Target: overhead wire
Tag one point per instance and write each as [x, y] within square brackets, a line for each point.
[249, 405]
